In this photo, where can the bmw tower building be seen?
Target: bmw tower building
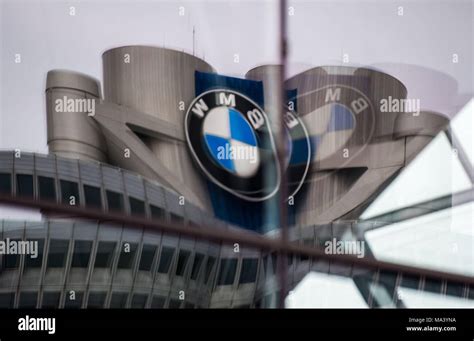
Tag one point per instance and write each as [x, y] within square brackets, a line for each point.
[164, 137]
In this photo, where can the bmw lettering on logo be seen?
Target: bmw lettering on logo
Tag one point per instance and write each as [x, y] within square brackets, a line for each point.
[230, 138]
[340, 121]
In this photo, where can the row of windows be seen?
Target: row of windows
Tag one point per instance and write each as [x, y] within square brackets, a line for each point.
[46, 188]
[82, 250]
[96, 300]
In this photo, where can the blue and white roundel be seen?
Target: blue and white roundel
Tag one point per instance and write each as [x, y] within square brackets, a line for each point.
[231, 141]
[330, 127]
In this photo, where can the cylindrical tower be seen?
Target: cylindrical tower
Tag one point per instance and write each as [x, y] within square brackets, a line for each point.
[70, 104]
[159, 82]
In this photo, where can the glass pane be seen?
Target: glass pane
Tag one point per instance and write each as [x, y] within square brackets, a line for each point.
[174, 304]
[24, 185]
[209, 265]
[114, 201]
[127, 255]
[11, 260]
[137, 207]
[28, 300]
[158, 302]
[146, 259]
[182, 262]
[92, 196]
[105, 254]
[198, 258]
[7, 300]
[73, 300]
[249, 271]
[69, 193]
[51, 300]
[166, 257]
[46, 188]
[82, 254]
[5, 183]
[31, 262]
[138, 301]
[157, 212]
[57, 253]
[118, 300]
[96, 300]
[228, 266]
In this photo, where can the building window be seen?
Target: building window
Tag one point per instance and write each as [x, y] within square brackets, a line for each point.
[104, 256]
[81, 254]
[28, 300]
[5, 183]
[138, 301]
[118, 300]
[454, 289]
[127, 255]
[96, 300]
[432, 286]
[165, 259]
[69, 193]
[92, 197]
[157, 212]
[31, 262]
[158, 302]
[46, 188]
[248, 273]
[182, 262]
[57, 253]
[114, 201]
[75, 301]
[11, 261]
[51, 300]
[174, 304]
[176, 219]
[146, 259]
[198, 258]
[24, 185]
[7, 300]
[137, 207]
[209, 265]
[228, 266]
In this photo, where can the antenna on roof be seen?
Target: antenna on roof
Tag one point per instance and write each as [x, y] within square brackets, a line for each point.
[194, 34]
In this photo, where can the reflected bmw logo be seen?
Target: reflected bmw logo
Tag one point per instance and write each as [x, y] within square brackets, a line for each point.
[230, 139]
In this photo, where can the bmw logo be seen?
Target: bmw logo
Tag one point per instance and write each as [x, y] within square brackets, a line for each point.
[230, 139]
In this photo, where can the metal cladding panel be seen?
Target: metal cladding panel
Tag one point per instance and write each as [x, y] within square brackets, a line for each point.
[45, 164]
[172, 203]
[85, 230]
[6, 161]
[68, 169]
[25, 164]
[13, 229]
[90, 173]
[193, 213]
[36, 229]
[155, 80]
[112, 179]
[134, 185]
[155, 194]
